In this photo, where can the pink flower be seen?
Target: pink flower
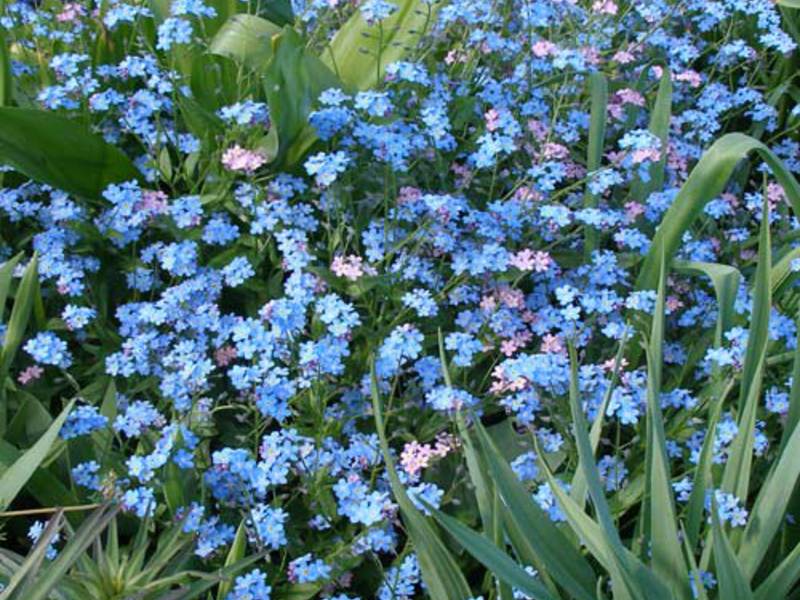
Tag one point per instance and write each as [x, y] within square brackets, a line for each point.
[225, 355]
[543, 48]
[237, 158]
[71, 12]
[607, 7]
[350, 267]
[551, 344]
[30, 374]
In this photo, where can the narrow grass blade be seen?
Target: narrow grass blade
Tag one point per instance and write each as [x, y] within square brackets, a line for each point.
[578, 490]
[598, 90]
[725, 280]
[235, 554]
[17, 475]
[630, 578]
[494, 559]
[6, 276]
[20, 315]
[667, 556]
[769, 508]
[659, 127]
[706, 181]
[551, 548]
[32, 563]
[736, 475]
[200, 588]
[782, 579]
[77, 545]
[733, 584]
[793, 417]
[439, 571]
[6, 82]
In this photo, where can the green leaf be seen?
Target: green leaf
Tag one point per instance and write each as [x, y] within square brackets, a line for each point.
[439, 571]
[733, 584]
[769, 508]
[20, 315]
[706, 181]
[782, 579]
[247, 39]
[90, 530]
[60, 152]
[17, 475]
[736, 475]
[6, 276]
[665, 546]
[578, 490]
[490, 556]
[725, 280]
[292, 82]
[598, 89]
[359, 53]
[33, 562]
[659, 127]
[235, 554]
[6, 82]
[789, 3]
[545, 543]
[278, 11]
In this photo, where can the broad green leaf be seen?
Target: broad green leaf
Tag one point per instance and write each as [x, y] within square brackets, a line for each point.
[60, 152]
[247, 39]
[490, 556]
[46, 489]
[359, 52]
[769, 508]
[736, 475]
[665, 547]
[732, 581]
[598, 90]
[548, 545]
[17, 475]
[789, 3]
[725, 280]
[292, 82]
[706, 181]
[278, 11]
[440, 572]
[659, 127]
[88, 532]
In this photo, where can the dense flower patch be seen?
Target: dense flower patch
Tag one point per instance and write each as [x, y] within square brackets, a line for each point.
[238, 232]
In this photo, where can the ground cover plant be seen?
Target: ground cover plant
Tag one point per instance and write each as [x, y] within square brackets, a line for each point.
[399, 299]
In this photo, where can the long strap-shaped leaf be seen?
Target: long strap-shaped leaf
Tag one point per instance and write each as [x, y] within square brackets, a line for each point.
[736, 476]
[598, 90]
[17, 475]
[667, 556]
[659, 127]
[439, 571]
[706, 181]
[733, 584]
[563, 562]
[492, 557]
[769, 508]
